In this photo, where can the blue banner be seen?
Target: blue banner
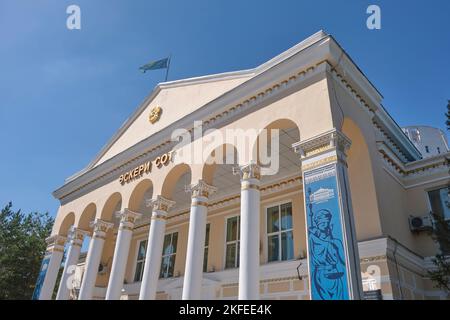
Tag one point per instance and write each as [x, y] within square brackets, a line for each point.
[326, 255]
[41, 278]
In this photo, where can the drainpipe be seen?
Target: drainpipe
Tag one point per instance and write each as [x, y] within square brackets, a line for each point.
[396, 266]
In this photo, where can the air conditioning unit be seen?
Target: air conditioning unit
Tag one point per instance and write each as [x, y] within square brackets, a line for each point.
[424, 223]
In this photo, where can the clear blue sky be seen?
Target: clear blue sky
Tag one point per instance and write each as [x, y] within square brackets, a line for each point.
[64, 93]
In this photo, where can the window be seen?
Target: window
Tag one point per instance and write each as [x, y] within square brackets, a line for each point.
[232, 243]
[168, 255]
[440, 202]
[140, 260]
[427, 149]
[415, 135]
[205, 256]
[280, 243]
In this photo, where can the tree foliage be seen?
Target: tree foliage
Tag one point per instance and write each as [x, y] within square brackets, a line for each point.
[22, 247]
[441, 235]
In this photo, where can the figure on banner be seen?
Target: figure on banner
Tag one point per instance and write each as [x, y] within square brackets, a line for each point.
[327, 256]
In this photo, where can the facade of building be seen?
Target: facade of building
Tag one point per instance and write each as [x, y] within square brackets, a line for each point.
[329, 218]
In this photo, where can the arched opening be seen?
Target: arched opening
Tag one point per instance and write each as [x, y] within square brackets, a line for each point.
[142, 192]
[65, 225]
[274, 150]
[218, 170]
[84, 220]
[112, 205]
[87, 216]
[362, 186]
[175, 182]
[282, 220]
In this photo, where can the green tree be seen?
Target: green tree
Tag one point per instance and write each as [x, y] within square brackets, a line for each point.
[441, 235]
[22, 247]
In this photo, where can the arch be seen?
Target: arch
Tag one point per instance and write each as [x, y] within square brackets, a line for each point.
[111, 206]
[362, 184]
[137, 195]
[171, 179]
[87, 216]
[286, 125]
[65, 225]
[277, 159]
[228, 154]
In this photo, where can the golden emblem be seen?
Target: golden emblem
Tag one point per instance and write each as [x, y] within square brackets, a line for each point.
[155, 114]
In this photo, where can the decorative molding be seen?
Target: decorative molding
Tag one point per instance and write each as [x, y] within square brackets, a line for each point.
[55, 243]
[320, 163]
[127, 218]
[160, 205]
[76, 236]
[420, 168]
[155, 114]
[100, 228]
[201, 189]
[330, 140]
[248, 171]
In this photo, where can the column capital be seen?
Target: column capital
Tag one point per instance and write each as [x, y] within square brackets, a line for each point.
[100, 228]
[160, 206]
[248, 171]
[201, 189]
[127, 218]
[76, 236]
[330, 140]
[56, 243]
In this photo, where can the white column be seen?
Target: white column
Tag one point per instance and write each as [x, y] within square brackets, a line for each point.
[127, 220]
[249, 235]
[193, 275]
[155, 244]
[54, 255]
[76, 237]
[93, 258]
[329, 218]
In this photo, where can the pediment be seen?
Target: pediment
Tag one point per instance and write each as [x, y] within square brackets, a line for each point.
[173, 100]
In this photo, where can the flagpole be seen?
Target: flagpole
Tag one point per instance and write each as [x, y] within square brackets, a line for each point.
[168, 66]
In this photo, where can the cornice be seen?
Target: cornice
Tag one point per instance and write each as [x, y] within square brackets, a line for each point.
[423, 167]
[381, 120]
[384, 122]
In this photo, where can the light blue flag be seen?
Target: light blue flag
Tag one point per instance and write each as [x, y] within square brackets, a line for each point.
[154, 65]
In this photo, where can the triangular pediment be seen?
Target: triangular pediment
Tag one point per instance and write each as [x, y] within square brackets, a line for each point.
[173, 100]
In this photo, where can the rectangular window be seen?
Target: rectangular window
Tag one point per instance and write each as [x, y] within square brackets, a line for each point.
[232, 243]
[280, 241]
[142, 247]
[168, 255]
[440, 202]
[205, 256]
